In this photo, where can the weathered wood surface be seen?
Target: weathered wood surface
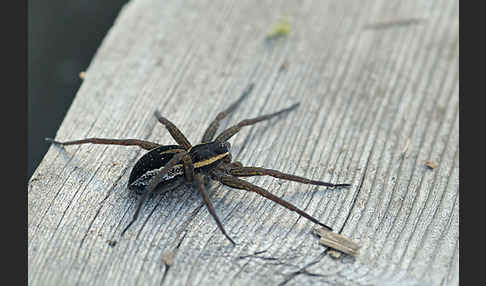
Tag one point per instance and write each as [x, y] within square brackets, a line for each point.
[378, 86]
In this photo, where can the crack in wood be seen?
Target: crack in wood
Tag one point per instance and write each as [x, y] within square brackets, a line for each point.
[101, 204]
[303, 270]
[357, 193]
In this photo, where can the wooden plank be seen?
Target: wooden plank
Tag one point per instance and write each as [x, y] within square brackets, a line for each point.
[378, 87]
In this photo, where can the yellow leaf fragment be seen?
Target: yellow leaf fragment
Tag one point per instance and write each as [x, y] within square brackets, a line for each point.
[282, 28]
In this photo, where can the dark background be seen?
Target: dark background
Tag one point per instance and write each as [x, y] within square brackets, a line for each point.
[63, 37]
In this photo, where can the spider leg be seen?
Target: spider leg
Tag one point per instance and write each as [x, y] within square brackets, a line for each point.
[236, 183]
[199, 182]
[174, 131]
[127, 142]
[228, 133]
[188, 168]
[257, 171]
[237, 164]
[153, 183]
[213, 127]
[226, 167]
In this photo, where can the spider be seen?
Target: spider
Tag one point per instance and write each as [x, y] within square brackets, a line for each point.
[169, 166]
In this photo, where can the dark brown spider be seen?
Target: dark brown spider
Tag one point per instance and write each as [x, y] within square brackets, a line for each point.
[171, 165]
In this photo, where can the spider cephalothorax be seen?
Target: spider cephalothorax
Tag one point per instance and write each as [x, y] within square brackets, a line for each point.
[169, 166]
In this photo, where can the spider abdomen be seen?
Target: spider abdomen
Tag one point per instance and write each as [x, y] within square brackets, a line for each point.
[148, 165]
[204, 157]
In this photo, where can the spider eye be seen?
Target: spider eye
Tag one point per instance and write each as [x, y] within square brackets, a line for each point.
[225, 146]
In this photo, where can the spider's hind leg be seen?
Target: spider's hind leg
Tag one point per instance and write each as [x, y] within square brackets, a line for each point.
[105, 141]
[257, 171]
[236, 183]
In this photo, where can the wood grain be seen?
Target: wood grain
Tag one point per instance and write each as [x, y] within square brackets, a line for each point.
[377, 83]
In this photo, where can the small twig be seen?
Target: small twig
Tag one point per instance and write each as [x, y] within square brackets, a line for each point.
[336, 242]
[394, 23]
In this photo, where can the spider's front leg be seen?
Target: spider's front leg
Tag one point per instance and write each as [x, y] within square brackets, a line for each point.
[236, 183]
[231, 131]
[213, 127]
[174, 131]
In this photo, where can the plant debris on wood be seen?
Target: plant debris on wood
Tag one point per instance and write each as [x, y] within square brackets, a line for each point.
[336, 241]
[431, 165]
[394, 23]
[112, 243]
[168, 257]
[284, 66]
[405, 149]
[281, 29]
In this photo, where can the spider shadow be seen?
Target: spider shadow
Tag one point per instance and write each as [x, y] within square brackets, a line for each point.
[187, 200]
